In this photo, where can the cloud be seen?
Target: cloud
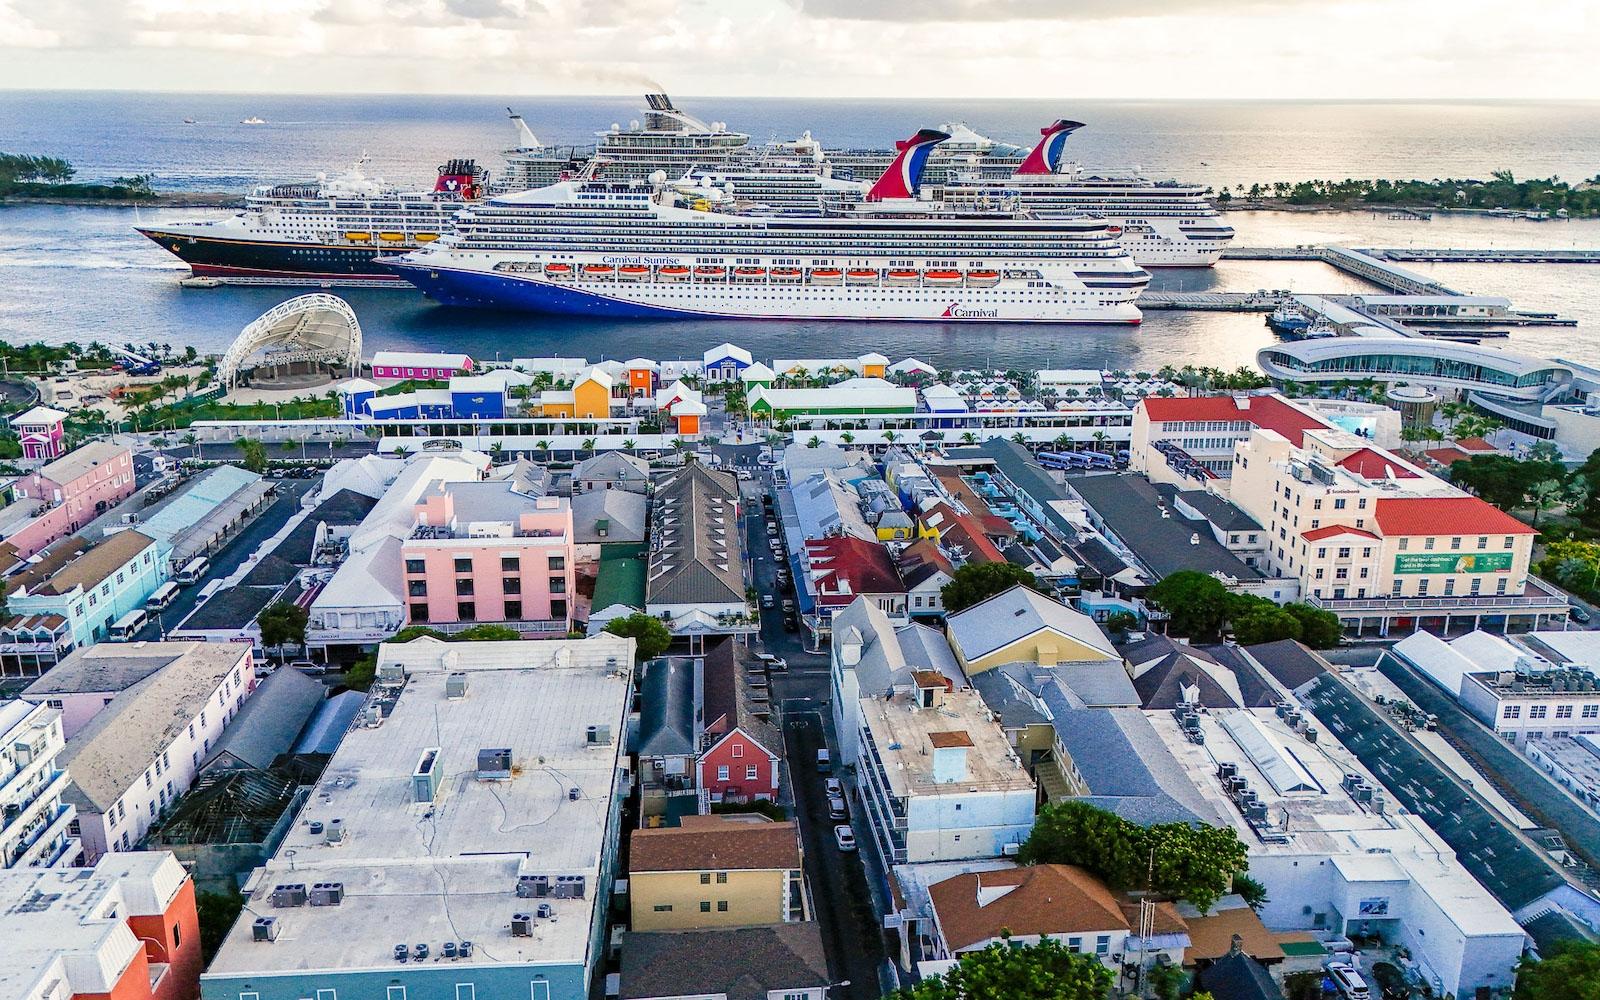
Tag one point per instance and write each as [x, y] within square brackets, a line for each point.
[925, 11]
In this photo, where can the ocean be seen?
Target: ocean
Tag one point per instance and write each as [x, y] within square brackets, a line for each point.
[81, 273]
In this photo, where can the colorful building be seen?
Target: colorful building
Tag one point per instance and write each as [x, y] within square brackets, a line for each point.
[398, 366]
[1021, 625]
[35, 824]
[590, 398]
[91, 586]
[852, 397]
[724, 362]
[644, 376]
[72, 491]
[126, 929]
[734, 870]
[41, 430]
[482, 552]
[740, 759]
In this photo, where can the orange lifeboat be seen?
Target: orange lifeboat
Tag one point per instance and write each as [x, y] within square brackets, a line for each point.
[749, 273]
[785, 273]
[598, 270]
[902, 275]
[673, 272]
[558, 270]
[943, 277]
[982, 277]
[860, 276]
[710, 272]
[633, 272]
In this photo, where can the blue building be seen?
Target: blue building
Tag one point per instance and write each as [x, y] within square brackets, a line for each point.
[354, 395]
[478, 397]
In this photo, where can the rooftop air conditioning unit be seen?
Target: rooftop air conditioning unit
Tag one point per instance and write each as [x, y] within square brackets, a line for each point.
[264, 929]
[570, 887]
[522, 925]
[392, 673]
[327, 893]
[545, 911]
[336, 831]
[533, 886]
[289, 895]
[598, 735]
[494, 764]
[455, 686]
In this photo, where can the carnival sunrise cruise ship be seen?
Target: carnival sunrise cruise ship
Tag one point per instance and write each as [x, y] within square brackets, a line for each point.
[650, 248]
[329, 232]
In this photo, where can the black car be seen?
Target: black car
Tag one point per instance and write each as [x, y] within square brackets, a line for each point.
[789, 624]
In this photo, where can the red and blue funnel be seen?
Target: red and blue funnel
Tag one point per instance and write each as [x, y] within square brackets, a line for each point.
[900, 180]
[1046, 156]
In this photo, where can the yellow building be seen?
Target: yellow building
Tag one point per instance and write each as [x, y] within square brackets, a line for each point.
[1023, 626]
[588, 399]
[733, 870]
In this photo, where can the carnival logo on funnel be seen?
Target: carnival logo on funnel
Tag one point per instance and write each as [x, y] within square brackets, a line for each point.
[956, 310]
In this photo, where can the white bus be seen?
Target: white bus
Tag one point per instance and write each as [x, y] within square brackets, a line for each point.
[128, 625]
[162, 598]
[193, 570]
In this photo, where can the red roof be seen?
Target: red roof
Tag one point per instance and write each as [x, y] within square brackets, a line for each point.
[846, 567]
[1447, 456]
[1475, 444]
[1318, 534]
[1445, 516]
[1370, 464]
[1271, 412]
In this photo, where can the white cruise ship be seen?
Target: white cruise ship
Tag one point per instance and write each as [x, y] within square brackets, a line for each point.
[329, 232]
[687, 249]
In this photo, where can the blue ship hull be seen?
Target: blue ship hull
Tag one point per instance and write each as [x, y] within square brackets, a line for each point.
[492, 291]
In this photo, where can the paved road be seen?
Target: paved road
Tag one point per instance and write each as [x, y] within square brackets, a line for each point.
[850, 931]
[228, 559]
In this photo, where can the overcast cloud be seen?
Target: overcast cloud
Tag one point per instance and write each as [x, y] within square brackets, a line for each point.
[1133, 49]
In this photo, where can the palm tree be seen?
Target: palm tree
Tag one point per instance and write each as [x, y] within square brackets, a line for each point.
[1063, 441]
[967, 437]
[402, 450]
[588, 444]
[814, 442]
[1020, 438]
[1100, 439]
[192, 441]
[542, 445]
[847, 437]
[890, 436]
[629, 443]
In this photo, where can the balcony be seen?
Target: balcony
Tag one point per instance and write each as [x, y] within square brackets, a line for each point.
[43, 845]
[1537, 597]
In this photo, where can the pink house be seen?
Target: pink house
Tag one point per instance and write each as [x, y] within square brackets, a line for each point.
[72, 491]
[399, 365]
[482, 552]
[41, 430]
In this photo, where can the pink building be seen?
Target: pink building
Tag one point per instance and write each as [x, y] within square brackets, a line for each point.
[400, 365]
[41, 430]
[482, 552]
[71, 492]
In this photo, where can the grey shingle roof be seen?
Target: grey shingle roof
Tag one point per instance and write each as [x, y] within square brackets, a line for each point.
[741, 963]
[1007, 699]
[1218, 511]
[1131, 509]
[1292, 664]
[613, 467]
[1019, 612]
[1237, 976]
[889, 653]
[624, 512]
[696, 540]
[269, 721]
[1128, 769]
[666, 708]
[107, 667]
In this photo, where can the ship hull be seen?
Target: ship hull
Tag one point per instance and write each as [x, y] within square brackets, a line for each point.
[698, 300]
[271, 262]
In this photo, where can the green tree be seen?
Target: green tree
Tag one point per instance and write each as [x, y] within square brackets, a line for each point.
[1044, 971]
[252, 454]
[281, 623]
[1121, 622]
[976, 582]
[1319, 629]
[1570, 971]
[217, 912]
[1194, 863]
[1250, 891]
[650, 635]
[487, 633]
[1268, 624]
[1197, 603]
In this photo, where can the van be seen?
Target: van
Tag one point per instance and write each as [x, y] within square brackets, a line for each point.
[128, 625]
[162, 598]
[824, 762]
[193, 570]
[1348, 981]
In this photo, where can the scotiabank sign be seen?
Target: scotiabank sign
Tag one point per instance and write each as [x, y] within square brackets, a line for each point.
[1414, 563]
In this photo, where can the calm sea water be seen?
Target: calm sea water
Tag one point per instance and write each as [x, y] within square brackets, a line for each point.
[81, 273]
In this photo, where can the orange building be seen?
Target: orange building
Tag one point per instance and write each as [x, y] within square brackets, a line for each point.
[588, 399]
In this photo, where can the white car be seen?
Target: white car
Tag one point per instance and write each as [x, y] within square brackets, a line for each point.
[844, 837]
[1348, 981]
[835, 788]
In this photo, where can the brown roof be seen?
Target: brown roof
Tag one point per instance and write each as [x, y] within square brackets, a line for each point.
[943, 741]
[723, 843]
[1211, 936]
[94, 564]
[1045, 899]
[728, 702]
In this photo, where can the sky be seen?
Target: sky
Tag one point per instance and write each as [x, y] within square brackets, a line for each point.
[1132, 49]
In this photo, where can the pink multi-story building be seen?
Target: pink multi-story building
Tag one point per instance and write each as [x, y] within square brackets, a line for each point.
[72, 491]
[483, 552]
[41, 430]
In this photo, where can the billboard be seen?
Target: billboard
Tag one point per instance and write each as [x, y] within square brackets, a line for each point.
[1452, 562]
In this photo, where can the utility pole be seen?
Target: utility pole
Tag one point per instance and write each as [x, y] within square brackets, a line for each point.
[1147, 923]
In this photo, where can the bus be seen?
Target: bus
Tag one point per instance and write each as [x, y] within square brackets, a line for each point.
[129, 625]
[162, 598]
[193, 570]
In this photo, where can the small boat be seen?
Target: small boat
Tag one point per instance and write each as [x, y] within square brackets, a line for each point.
[558, 270]
[633, 272]
[425, 237]
[253, 120]
[1287, 322]
[860, 276]
[358, 237]
[710, 272]
[902, 276]
[749, 273]
[598, 270]
[785, 274]
[672, 272]
[826, 275]
[942, 277]
[392, 237]
[188, 121]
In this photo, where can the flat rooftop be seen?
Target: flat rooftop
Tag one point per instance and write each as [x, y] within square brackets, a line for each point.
[906, 737]
[447, 870]
[1378, 841]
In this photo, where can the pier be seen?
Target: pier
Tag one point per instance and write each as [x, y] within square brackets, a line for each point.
[1449, 256]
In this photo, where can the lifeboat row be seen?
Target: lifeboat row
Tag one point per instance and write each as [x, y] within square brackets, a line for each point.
[977, 278]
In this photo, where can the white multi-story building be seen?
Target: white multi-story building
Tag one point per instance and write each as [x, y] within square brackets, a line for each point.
[143, 750]
[871, 652]
[937, 778]
[35, 825]
[1337, 856]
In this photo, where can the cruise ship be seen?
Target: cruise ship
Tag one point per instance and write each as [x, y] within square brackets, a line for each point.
[654, 248]
[328, 232]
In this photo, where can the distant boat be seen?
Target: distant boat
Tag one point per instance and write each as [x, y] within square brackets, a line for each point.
[188, 121]
[253, 120]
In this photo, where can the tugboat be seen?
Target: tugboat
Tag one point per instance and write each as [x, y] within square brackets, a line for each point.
[1286, 321]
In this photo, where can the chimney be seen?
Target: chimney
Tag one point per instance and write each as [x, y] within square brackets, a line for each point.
[950, 755]
[850, 648]
[1237, 948]
[1242, 402]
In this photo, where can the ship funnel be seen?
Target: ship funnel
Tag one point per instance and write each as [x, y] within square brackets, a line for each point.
[903, 175]
[525, 138]
[1045, 158]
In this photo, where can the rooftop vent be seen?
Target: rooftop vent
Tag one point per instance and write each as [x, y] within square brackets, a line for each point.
[402, 952]
[392, 673]
[598, 735]
[293, 894]
[494, 764]
[264, 929]
[522, 925]
[533, 886]
[335, 831]
[455, 686]
[425, 779]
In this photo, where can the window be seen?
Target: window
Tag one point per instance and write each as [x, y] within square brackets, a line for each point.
[558, 563]
[1537, 711]
[1500, 586]
[1591, 711]
[722, 906]
[417, 588]
[463, 564]
[1483, 541]
[1422, 587]
[1511, 712]
[1074, 944]
[705, 878]
[705, 906]
[738, 750]
[1563, 711]
[177, 941]
[1405, 543]
[510, 564]
[1338, 503]
[752, 772]
[1102, 944]
[1510, 541]
[513, 611]
[56, 703]
[466, 610]
[419, 612]
[464, 587]
[1449, 586]
[722, 878]
[662, 908]
[1427, 543]
[722, 772]
[416, 566]
[558, 585]
[558, 609]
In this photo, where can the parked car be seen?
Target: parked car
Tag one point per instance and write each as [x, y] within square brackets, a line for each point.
[844, 837]
[835, 788]
[789, 624]
[766, 600]
[1348, 981]
[308, 667]
[1580, 615]
[824, 761]
[837, 809]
